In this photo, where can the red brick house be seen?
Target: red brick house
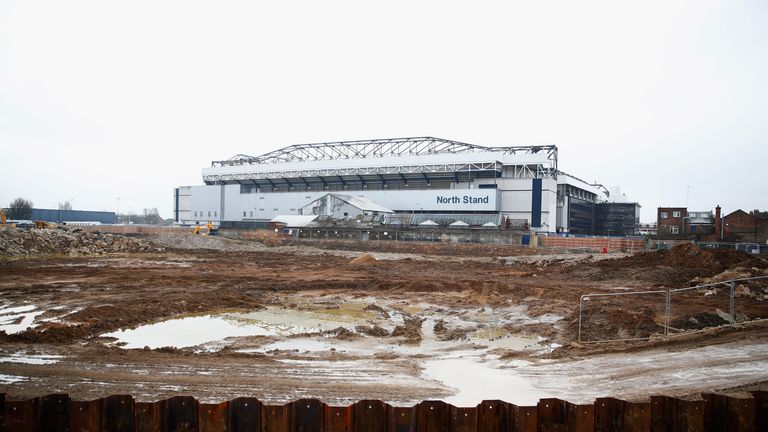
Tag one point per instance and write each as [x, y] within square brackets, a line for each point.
[670, 221]
[740, 226]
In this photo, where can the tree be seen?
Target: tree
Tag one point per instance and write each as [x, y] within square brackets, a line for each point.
[20, 208]
[152, 217]
[66, 205]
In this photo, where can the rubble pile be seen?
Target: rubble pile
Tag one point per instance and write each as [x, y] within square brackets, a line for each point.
[685, 264]
[16, 242]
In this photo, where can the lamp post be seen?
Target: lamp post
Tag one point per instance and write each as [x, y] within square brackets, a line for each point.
[117, 215]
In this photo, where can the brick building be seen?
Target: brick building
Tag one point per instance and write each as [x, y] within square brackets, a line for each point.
[738, 226]
[743, 227]
[670, 221]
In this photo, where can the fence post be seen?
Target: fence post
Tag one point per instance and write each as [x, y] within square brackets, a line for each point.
[667, 311]
[731, 301]
[581, 307]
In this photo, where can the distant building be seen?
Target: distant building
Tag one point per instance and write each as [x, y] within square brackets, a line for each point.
[742, 227]
[670, 221]
[738, 226]
[700, 223]
[576, 201]
[647, 229]
[62, 216]
[617, 218]
[343, 206]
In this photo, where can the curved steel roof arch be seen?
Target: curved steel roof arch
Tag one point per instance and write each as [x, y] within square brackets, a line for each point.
[375, 148]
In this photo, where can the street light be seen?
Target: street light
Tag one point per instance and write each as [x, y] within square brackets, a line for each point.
[117, 215]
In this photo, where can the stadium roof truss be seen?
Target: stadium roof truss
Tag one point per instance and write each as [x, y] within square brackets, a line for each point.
[380, 148]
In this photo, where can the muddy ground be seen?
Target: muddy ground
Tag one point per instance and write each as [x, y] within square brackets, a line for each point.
[344, 321]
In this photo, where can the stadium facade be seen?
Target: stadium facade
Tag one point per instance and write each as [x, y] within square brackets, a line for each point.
[432, 177]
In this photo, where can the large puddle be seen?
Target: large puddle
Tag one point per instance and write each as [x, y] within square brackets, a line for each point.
[33, 359]
[468, 365]
[484, 329]
[198, 330]
[16, 319]
[474, 382]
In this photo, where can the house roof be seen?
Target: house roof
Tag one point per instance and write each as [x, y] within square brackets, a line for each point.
[361, 202]
[459, 223]
[739, 211]
[295, 221]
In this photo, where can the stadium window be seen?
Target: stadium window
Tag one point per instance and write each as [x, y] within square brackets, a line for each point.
[663, 215]
[251, 213]
[209, 213]
[243, 214]
[215, 214]
[674, 229]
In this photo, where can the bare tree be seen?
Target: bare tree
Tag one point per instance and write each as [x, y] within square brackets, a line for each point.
[152, 216]
[20, 208]
[66, 205]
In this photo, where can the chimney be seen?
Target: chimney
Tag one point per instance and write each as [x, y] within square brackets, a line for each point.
[718, 224]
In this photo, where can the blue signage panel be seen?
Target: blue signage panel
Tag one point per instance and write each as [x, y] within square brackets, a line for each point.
[536, 203]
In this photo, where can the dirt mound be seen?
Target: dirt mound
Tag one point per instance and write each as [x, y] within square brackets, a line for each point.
[677, 265]
[191, 241]
[443, 333]
[614, 321]
[373, 308]
[736, 273]
[373, 330]
[699, 321]
[411, 330]
[74, 242]
[364, 259]
[342, 333]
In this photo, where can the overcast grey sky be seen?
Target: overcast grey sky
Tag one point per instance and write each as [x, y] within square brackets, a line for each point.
[102, 99]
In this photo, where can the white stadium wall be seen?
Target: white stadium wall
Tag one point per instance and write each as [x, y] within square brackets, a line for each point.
[511, 197]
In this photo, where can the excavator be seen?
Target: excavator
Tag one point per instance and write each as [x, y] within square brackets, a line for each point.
[209, 225]
[20, 224]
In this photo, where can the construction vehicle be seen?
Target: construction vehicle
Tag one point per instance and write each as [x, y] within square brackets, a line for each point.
[209, 225]
[41, 225]
[3, 217]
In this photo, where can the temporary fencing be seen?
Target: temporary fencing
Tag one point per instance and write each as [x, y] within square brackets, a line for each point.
[411, 235]
[135, 229]
[594, 244]
[57, 412]
[640, 315]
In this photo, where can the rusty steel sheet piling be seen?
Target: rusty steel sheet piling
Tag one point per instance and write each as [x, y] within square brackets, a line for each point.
[57, 412]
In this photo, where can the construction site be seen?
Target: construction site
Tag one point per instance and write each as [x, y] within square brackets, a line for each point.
[253, 314]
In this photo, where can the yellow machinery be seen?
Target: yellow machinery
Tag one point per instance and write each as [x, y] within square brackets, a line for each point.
[209, 225]
[4, 220]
